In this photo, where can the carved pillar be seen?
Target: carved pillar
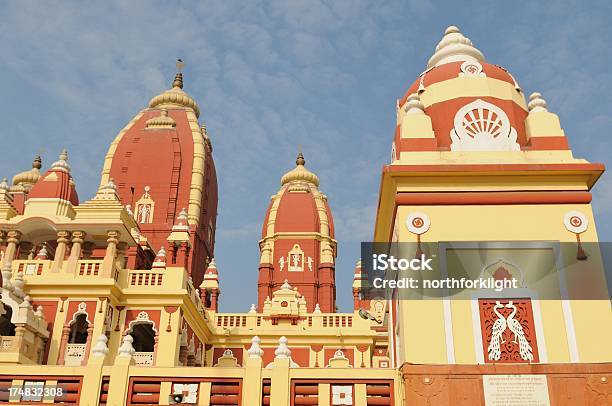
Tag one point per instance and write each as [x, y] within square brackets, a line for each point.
[122, 248]
[356, 299]
[88, 343]
[12, 241]
[63, 343]
[156, 338]
[214, 295]
[111, 253]
[182, 256]
[75, 252]
[60, 251]
[172, 252]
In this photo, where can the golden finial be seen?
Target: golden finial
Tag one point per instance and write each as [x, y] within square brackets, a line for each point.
[178, 78]
[300, 161]
[37, 163]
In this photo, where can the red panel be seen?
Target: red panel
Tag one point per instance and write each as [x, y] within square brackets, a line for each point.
[348, 353]
[297, 212]
[299, 355]
[73, 306]
[130, 315]
[218, 352]
[443, 114]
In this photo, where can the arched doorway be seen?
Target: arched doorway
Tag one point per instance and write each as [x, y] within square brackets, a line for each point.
[144, 334]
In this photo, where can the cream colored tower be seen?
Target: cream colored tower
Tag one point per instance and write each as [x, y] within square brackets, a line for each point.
[474, 162]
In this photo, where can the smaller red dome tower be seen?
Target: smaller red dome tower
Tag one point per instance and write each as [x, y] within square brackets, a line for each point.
[297, 242]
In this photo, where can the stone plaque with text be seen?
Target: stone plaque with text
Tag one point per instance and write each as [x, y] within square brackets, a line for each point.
[515, 390]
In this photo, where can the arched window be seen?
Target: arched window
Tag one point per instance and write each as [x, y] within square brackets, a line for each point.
[78, 330]
[7, 328]
[144, 337]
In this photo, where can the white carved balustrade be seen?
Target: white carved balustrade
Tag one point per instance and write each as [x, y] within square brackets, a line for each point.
[143, 358]
[74, 354]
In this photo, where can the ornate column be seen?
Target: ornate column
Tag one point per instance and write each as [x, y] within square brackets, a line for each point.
[90, 329]
[63, 343]
[75, 252]
[111, 253]
[12, 241]
[214, 295]
[172, 252]
[155, 349]
[122, 248]
[60, 251]
[182, 257]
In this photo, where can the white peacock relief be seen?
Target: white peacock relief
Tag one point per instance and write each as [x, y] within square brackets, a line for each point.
[482, 126]
[509, 334]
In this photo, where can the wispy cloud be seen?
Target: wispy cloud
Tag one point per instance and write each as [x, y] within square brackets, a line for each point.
[271, 75]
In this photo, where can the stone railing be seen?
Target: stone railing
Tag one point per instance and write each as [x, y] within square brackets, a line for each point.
[143, 278]
[143, 358]
[31, 267]
[311, 321]
[74, 354]
[90, 267]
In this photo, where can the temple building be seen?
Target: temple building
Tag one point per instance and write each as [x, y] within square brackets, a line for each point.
[115, 299]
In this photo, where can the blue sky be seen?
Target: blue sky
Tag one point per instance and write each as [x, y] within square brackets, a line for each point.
[272, 75]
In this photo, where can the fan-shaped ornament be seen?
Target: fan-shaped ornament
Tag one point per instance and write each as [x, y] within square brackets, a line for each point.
[418, 223]
[482, 126]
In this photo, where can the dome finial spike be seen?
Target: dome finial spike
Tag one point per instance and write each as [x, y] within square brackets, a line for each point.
[300, 161]
[178, 78]
[37, 163]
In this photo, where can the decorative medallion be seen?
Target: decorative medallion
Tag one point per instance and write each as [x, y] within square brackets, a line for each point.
[143, 316]
[418, 223]
[471, 68]
[575, 222]
[482, 126]
[342, 395]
